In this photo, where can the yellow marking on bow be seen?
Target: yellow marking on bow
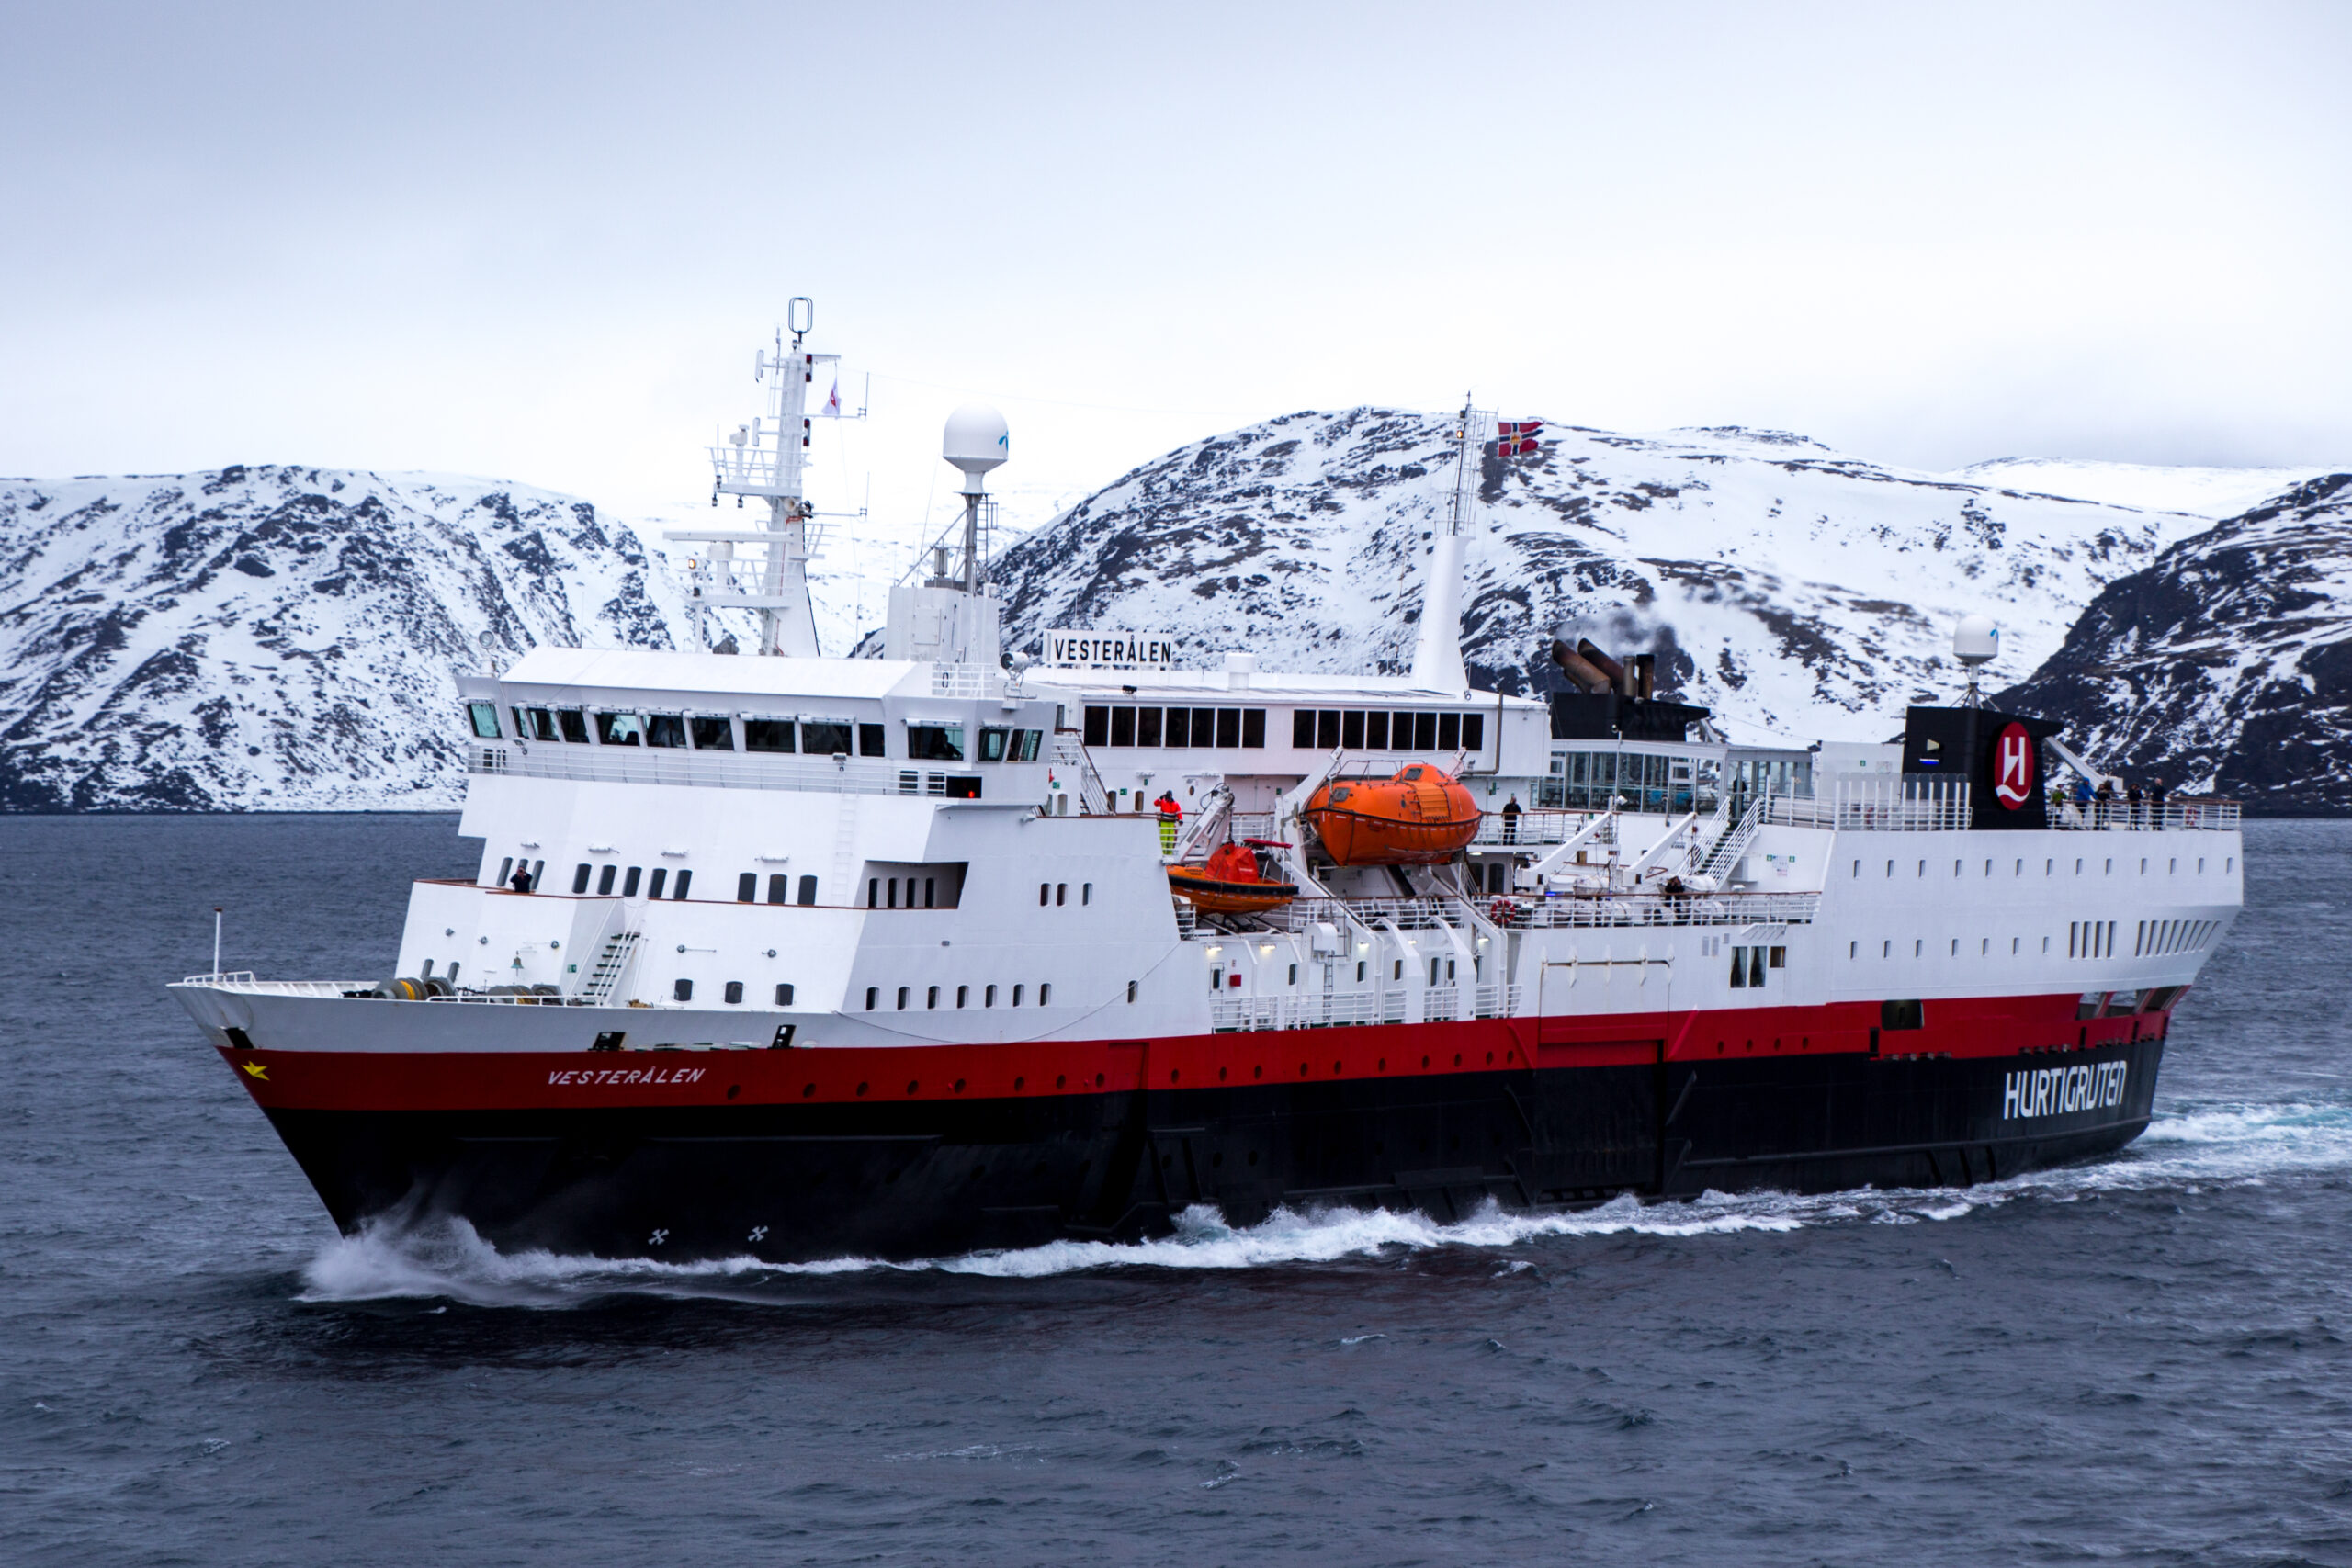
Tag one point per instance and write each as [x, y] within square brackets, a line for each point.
[257, 1070]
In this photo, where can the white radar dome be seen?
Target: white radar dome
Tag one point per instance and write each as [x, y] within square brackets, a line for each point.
[975, 440]
[1976, 640]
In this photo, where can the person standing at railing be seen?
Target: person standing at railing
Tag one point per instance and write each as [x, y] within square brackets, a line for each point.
[521, 880]
[1511, 821]
[2155, 803]
[2103, 803]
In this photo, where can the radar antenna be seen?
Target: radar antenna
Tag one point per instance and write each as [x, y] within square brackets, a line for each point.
[767, 458]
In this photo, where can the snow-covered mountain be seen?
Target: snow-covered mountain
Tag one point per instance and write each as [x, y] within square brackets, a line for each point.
[2226, 663]
[282, 637]
[1798, 592]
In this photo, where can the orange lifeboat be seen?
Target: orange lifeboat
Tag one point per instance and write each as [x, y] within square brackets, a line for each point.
[1230, 884]
[1420, 816]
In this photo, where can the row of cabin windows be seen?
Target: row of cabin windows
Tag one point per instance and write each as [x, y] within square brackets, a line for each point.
[810, 737]
[526, 869]
[732, 992]
[780, 888]
[1057, 893]
[1441, 973]
[1180, 728]
[1749, 966]
[2084, 939]
[1376, 730]
[964, 995]
[610, 879]
[2050, 866]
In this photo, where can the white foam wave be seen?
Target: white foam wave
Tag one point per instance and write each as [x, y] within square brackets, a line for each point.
[2193, 1149]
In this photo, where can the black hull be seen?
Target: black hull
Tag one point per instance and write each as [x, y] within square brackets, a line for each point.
[934, 1178]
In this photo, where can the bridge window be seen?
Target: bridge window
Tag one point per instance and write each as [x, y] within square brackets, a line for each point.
[666, 730]
[769, 734]
[485, 718]
[1375, 731]
[993, 744]
[935, 742]
[1228, 727]
[1097, 726]
[1474, 733]
[870, 740]
[1449, 732]
[825, 738]
[575, 725]
[1424, 731]
[620, 729]
[713, 734]
[1147, 726]
[807, 890]
[1123, 727]
[542, 724]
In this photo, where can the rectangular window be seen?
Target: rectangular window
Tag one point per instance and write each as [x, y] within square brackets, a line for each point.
[779, 887]
[1044, 993]
[935, 742]
[575, 726]
[890, 894]
[807, 891]
[902, 998]
[988, 998]
[1474, 733]
[542, 721]
[654, 883]
[870, 740]
[605, 881]
[873, 995]
[629, 882]
[747, 887]
[825, 738]
[1352, 730]
[1424, 731]
[683, 990]
[784, 995]
[1045, 894]
[620, 729]
[1302, 728]
[1228, 727]
[1778, 959]
[767, 735]
[994, 744]
[1131, 992]
[1029, 740]
[1205, 727]
[1178, 728]
[1097, 731]
[1449, 732]
[1253, 729]
[1327, 729]
[506, 870]
[1062, 893]
[1755, 967]
[580, 876]
[963, 995]
[1123, 727]
[713, 734]
[734, 992]
[679, 892]
[1086, 894]
[1375, 731]
[2089, 1004]
[1739, 968]
[1016, 996]
[873, 892]
[666, 730]
[1147, 726]
[485, 718]
[932, 997]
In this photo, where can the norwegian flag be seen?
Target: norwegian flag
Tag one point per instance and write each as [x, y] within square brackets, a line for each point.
[1518, 438]
[833, 402]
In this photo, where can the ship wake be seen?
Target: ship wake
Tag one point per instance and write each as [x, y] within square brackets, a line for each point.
[2190, 1150]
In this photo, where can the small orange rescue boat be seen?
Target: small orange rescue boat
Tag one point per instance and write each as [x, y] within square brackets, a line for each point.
[1230, 884]
[1420, 816]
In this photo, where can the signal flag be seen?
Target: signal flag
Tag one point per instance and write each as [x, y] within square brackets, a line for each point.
[1518, 438]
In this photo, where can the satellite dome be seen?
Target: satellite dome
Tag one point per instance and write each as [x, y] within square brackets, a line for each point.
[1976, 640]
[975, 440]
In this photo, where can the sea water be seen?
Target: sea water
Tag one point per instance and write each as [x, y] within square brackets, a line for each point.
[2141, 1360]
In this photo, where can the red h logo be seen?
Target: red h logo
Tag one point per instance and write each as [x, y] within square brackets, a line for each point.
[2013, 767]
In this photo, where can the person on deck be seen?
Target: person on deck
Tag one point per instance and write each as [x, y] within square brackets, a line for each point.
[1171, 816]
[521, 880]
[1511, 821]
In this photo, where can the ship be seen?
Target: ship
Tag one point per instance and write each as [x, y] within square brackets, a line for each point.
[782, 957]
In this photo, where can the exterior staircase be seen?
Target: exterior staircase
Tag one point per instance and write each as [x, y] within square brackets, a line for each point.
[612, 964]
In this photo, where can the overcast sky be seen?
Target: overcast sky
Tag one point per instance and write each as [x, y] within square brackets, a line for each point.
[541, 243]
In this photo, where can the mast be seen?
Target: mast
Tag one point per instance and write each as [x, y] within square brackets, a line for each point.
[766, 459]
[1437, 655]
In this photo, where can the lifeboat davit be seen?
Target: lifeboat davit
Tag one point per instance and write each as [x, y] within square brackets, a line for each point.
[1230, 884]
[1423, 816]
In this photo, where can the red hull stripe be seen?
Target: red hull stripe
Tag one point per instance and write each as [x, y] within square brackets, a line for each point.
[371, 1080]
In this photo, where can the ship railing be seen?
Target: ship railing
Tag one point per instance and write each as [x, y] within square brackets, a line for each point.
[628, 764]
[1495, 1001]
[1253, 825]
[1313, 1010]
[1906, 805]
[1499, 831]
[1407, 914]
[1442, 1004]
[243, 981]
[1612, 909]
[2194, 811]
[966, 680]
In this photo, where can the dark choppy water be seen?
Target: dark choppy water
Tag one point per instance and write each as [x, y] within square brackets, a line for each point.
[2144, 1361]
